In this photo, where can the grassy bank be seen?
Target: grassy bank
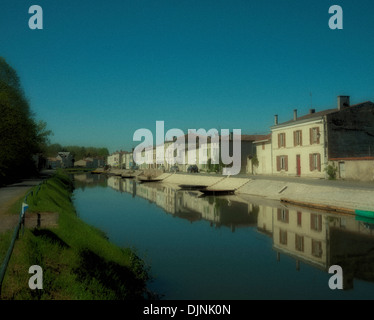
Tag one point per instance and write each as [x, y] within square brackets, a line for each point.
[78, 261]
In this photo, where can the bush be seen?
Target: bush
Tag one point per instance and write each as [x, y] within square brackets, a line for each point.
[331, 171]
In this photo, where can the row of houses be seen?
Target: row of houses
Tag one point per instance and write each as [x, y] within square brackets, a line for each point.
[207, 147]
[66, 160]
[336, 142]
[90, 162]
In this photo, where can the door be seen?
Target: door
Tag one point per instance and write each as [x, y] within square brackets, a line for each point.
[341, 170]
[298, 165]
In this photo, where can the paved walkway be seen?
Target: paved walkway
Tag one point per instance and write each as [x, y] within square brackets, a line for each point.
[350, 195]
[350, 184]
[10, 194]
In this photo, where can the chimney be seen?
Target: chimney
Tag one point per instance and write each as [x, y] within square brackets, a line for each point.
[312, 111]
[276, 119]
[295, 114]
[343, 102]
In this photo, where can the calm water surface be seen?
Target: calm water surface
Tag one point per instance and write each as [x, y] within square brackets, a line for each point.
[229, 247]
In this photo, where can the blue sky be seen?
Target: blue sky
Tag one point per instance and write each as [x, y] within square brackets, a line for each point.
[99, 70]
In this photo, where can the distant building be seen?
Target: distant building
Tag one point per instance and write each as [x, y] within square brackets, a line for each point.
[263, 155]
[82, 163]
[66, 159]
[53, 163]
[62, 160]
[117, 159]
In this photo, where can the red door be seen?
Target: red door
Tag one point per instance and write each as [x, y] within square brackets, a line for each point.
[298, 165]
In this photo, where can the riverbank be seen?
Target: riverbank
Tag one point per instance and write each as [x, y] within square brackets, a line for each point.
[78, 261]
[321, 194]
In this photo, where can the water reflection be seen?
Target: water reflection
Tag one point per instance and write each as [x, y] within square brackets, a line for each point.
[220, 211]
[316, 238]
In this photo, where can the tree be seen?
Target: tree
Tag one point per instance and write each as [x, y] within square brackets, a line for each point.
[20, 136]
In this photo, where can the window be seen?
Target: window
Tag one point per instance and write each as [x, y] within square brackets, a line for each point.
[315, 161]
[297, 138]
[299, 242]
[316, 248]
[281, 140]
[282, 163]
[314, 135]
[316, 222]
[282, 215]
[282, 237]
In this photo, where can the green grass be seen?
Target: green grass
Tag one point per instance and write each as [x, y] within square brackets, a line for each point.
[78, 261]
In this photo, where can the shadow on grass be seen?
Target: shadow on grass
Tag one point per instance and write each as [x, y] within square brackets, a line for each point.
[115, 278]
[51, 237]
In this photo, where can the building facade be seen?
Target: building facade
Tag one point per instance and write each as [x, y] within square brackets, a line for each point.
[307, 145]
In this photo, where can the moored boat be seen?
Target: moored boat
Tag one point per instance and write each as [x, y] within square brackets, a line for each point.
[148, 179]
[365, 213]
[217, 192]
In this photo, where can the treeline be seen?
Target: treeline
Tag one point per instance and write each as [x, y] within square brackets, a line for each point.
[78, 152]
[21, 136]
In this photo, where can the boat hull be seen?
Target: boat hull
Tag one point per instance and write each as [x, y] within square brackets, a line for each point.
[365, 214]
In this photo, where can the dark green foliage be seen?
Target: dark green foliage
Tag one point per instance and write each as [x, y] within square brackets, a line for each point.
[20, 136]
[331, 171]
[78, 152]
[118, 281]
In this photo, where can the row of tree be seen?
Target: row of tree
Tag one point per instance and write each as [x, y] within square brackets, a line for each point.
[24, 141]
[78, 152]
[21, 136]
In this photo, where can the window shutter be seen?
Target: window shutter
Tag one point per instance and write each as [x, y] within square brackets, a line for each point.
[284, 140]
[311, 135]
[301, 137]
[278, 163]
[319, 222]
[279, 140]
[299, 219]
[311, 165]
[279, 214]
[294, 138]
[317, 135]
[286, 163]
[319, 161]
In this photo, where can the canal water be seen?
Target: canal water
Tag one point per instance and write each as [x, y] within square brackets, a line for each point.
[229, 247]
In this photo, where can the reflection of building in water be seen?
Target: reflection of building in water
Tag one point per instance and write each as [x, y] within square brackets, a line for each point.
[316, 238]
[188, 205]
[322, 240]
[87, 180]
[302, 234]
[115, 183]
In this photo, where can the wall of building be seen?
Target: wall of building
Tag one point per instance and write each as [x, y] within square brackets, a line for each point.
[301, 233]
[263, 152]
[304, 150]
[359, 169]
[351, 132]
